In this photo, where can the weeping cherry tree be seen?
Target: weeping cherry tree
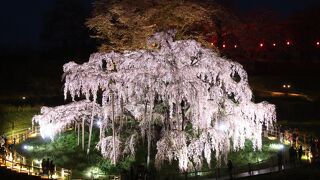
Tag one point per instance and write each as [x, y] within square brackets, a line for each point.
[188, 103]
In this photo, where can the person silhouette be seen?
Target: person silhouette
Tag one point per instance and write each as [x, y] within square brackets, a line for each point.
[279, 155]
[47, 167]
[51, 168]
[300, 152]
[43, 165]
[230, 168]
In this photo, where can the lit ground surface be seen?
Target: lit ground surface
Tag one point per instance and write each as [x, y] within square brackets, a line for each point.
[21, 165]
[303, 173]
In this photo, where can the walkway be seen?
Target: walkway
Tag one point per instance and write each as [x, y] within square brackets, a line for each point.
[19, 164]
[268, 170]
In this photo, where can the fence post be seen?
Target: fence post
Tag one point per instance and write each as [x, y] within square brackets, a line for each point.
[70, 175]
[32, 165]
[217, 172]
[62, 173]
[196, 175]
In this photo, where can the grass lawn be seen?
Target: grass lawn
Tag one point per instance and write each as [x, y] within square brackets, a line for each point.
[65, 153]
[16, 117]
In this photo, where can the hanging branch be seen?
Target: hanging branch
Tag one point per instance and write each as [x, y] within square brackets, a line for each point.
[215, 90]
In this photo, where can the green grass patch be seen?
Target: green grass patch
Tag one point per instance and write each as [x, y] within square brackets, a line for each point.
[16, 117]
[66, 153]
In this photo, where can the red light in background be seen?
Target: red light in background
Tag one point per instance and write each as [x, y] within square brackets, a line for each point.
[235, 46]
[261, 44]
[288, 43]
[318, 43]
[274, 44]
[223, 45]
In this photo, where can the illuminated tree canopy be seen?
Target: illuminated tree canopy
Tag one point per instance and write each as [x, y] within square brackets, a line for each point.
[202, 102]
[126, 24]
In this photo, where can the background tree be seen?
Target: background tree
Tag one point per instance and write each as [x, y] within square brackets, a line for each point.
[126, 25]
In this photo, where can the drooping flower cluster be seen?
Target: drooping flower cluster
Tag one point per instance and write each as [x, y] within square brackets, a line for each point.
[57, 119]
[208, 99]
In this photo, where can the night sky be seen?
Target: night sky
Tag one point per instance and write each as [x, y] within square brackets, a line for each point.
[22, 21]
[22, 47]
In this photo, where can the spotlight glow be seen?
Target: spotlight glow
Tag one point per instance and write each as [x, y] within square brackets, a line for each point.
[276, 146]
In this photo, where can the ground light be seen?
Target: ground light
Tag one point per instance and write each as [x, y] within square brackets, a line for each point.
[276, 146]
[36, 161]
[272, 138]
[94, 172]
[28, 148]
[305, 157]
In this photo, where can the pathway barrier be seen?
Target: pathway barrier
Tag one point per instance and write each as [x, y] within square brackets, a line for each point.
[251, 169]
[18, 163]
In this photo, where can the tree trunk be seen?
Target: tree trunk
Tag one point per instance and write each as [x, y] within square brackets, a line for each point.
[149, 135]
[90, 131]
[100, 131]
[145, 119]
[78, 124]
[113, 130]
[82, 134]
[182, 114]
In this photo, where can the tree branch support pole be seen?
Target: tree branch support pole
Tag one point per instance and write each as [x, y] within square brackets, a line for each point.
[149, 134]
[113, 130]
[100, 132]
[90, 130]
[83, 134]
[32, 127]
[78, 124]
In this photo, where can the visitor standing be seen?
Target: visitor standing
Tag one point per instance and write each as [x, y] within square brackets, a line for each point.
[292, 155]
[279, 155]
[249, 169]
[51, 168]
[47, 167]
[300, 152]
[230, 168]
[43, 166]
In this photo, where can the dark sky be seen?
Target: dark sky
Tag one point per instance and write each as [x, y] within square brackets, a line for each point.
[21, 20]
[281, 7]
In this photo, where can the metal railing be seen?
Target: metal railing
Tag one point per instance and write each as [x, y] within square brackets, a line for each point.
[268, 165]
[20, 164]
